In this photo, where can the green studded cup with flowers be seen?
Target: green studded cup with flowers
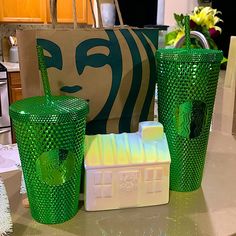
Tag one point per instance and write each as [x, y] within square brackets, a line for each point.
[187, 81]
[50, 133]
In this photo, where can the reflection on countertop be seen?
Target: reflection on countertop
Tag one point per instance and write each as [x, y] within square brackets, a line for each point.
[208, 211]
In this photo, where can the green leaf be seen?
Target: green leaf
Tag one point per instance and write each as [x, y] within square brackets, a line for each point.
[179, 20]
[224, 60]
[211, 42]
[170, 37]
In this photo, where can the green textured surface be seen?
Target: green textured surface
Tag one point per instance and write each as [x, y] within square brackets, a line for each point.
[50, 138]
[50, 133]
[187, 81]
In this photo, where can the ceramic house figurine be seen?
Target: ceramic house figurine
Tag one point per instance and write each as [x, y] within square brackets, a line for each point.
[128, 169]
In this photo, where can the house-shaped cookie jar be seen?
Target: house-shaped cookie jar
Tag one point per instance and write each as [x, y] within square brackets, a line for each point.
[128, 169]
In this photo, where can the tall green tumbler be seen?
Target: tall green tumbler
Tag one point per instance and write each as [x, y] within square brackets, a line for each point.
[50, 133]
[187, 82]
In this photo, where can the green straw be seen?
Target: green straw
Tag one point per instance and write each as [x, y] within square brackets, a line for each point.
[44, 74]
[187, 31]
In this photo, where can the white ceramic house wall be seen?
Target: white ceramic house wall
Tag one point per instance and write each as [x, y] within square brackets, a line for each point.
[127, 170]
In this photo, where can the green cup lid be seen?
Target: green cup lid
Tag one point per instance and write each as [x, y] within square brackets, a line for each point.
[59, 109]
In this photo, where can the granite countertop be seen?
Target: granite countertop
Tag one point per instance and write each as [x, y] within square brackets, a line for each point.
[208, 211]
[11, 67]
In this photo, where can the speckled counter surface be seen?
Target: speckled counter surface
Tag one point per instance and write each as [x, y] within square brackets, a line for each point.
[210, 211]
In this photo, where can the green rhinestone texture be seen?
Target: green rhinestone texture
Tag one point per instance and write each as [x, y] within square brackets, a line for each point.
[187, 82]
[50, 137]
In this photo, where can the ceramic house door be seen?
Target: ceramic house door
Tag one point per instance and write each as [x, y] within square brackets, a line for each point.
[128, 188]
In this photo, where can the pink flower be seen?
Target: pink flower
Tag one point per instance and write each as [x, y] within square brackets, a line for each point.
[192, 24]
[214, 33]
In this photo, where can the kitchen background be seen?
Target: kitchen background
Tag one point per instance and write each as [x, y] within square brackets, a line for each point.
[167, 8]
[9, 29]
[155, 12]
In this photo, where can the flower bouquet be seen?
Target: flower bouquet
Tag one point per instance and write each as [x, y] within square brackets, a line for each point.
[203, 20]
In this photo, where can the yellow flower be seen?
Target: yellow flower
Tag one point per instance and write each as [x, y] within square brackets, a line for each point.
[218, 28]
[203, 19]
[206, 17]
[180, 34]
[198, 15]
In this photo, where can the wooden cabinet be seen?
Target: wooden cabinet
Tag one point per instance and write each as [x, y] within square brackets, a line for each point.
[37, 11]
[65, 14]
[22, 10]
[15, 90]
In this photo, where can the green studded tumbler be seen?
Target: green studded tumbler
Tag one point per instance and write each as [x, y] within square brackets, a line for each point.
[50, 133]
[187, 82]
